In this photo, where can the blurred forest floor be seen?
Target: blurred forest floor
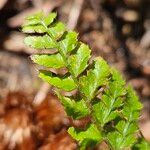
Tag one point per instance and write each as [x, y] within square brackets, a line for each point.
[30, 115]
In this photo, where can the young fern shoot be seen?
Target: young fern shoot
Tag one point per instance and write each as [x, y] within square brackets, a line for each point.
[101, 91]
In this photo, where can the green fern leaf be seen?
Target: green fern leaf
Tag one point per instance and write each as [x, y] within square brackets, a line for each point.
[40, 42]
[95, 78]
[66, 83]
[91, 134]
[78, 62]
[75, 108]
[68, 43]
[34, 29]
[48, 19]
[47, 60]
[141, 144]
[57, 30]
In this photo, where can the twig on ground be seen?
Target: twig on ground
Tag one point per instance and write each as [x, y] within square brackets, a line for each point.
[2, 3]
[74, 14]
[41, 94]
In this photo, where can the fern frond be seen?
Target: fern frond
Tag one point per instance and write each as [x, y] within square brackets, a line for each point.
[114, 114]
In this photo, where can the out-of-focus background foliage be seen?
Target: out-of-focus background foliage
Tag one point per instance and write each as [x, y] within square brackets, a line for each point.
[30, 116]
